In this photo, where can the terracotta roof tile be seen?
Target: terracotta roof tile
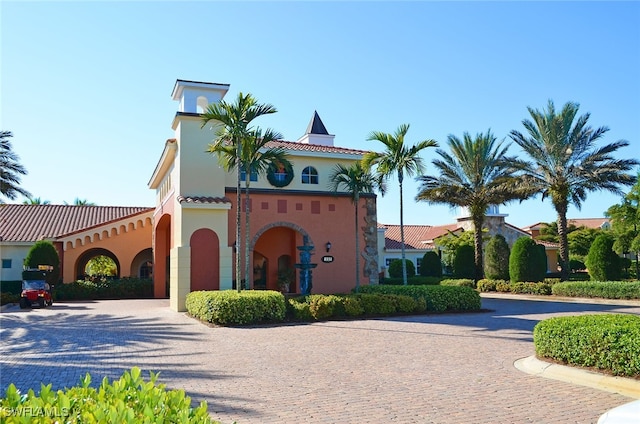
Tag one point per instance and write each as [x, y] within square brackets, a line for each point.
[292, 145]
[35, 222]
[416, 237]
[202, 199]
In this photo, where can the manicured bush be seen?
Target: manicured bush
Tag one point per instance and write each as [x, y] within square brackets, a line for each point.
[14, 287]
[438, 298]
[486, 285]
[496, 258]
[228, 307]
[124, 288]
[431, 266]
[415, 281]
[503, 286]
[606, 289]
[6, 298]
[43, 252]
[528, 261]
[325, 306]
[464, 262]
[395, 268]
[609, 342]
[466, 282]
[522, 287]
[602, 262]
[127, 400]
[576, 265]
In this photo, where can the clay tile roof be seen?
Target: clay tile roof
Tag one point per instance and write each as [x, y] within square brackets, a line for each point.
[202, 199]
[292, 145]
[547, 243]
[27, 223]
[418, 237]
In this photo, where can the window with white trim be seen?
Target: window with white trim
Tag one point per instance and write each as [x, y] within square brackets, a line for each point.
[309, 175]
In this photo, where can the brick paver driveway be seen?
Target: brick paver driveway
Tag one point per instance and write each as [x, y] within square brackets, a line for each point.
[454, 368]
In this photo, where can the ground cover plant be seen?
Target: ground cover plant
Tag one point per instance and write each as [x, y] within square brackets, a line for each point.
[607, 342]
[129, 399]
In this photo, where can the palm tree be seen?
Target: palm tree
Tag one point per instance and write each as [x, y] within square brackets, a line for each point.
[233, 121]
[566, 164]
[81, 202]
[255, 159]
[478, 173]
[397, 158]
[10, 169]
[355, 180]
[35, 201]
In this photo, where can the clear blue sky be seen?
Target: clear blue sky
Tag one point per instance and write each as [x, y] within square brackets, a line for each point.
[86, 86]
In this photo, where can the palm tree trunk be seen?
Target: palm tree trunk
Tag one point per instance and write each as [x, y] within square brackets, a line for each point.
[357, 200]
[238, 200]
[561, 208]
[404, 264]
[477, 241]
[247, 233]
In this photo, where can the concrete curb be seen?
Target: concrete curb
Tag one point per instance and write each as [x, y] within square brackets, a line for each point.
[621, 385]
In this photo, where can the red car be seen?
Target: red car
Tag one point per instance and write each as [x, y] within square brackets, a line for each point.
[35, 292]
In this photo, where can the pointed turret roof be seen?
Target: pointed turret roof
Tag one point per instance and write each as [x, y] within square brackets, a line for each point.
[316, 126]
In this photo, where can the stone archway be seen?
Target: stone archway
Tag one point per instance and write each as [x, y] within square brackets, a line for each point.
[205, 260]
[275, 241]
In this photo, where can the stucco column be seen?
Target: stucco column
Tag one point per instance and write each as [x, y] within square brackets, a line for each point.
[179, 277]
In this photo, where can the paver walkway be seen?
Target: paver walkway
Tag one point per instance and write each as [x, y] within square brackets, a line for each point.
[453, 368]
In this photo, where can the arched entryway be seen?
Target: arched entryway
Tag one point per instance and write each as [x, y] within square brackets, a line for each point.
[162, 249]
[277, 244]
[205, 260]
[142, 264]
[84, 258]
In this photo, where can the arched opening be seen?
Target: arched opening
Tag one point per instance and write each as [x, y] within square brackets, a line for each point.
[205, 260]
[278, 244]
[81, 270]
[142, 265]
[162, 248]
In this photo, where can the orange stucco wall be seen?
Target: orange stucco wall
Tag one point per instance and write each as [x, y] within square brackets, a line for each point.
[325, 218]
[124, 240]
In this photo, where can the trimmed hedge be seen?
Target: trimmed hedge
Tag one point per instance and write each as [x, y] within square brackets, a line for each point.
[520, 287]
[124, 288]
[601, 289]
[438, 298]
[395, 268]
[413, 281]
[127, 400]
[228, 307]
[14, 286]
[609, 342]
[466, 282]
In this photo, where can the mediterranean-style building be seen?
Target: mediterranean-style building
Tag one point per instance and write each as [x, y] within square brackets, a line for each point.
[186, 242]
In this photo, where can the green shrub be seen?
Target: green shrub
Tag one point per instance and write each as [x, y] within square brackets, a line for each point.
[6, 298]
[503, 286]
[431, 266]
[353, 306]
[602, 262]
[528, 261]
[608, 342]
[576, 265]
[464, 262]
[14, 287]
[43, 252]
[486, 285]
[466, 282]
[496, 259]
[103, 288]
[228, 307]
[522, 287]
[298, 309]
[606, 289]
[437, 298]
[322, 306]
[127, 400]
[416, 281]
[395, 268]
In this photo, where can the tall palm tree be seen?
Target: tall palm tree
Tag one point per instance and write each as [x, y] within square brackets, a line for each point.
[255, 158]
[232, 120]
[566, 164]
[355, 180]
[476, 174]
[35, 201]
[10, 169]
[400, 159]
